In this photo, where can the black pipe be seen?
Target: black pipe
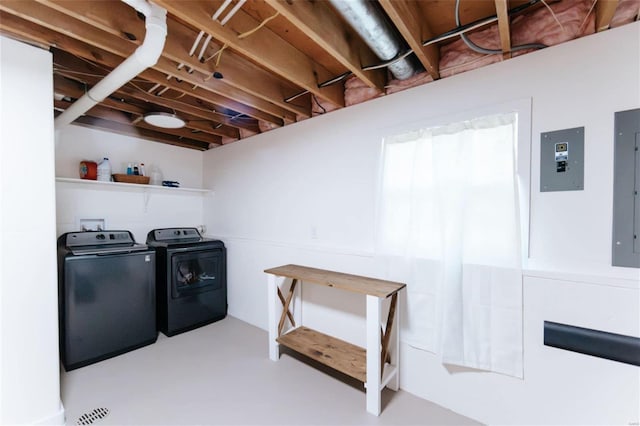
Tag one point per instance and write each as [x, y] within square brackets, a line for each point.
[601, 344]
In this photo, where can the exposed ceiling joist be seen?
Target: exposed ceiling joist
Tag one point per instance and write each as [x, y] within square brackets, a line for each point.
[283, 59]
[322, 25]
[203, 126]
[503, 27]
[117, 114]
[234, 70]
[128, 130]
[74, 91]
[59, 22]
[65, 61]
[407, 18]
[605, 9]
[260, 64]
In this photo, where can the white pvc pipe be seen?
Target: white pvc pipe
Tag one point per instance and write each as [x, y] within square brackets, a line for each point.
[220, 9]
[204, 46]
[195, 43]
[146, 55]
[232, 12]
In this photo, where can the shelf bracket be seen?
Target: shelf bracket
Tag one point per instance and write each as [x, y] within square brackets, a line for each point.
[146, 195]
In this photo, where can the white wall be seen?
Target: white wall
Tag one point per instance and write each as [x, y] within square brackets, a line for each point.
[132, 208]
[29, 368]
[76, 143]
[306, 194]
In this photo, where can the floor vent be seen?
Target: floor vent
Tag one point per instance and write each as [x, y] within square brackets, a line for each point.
[92, 417]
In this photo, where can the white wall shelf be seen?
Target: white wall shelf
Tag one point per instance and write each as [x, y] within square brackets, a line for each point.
[133, 186]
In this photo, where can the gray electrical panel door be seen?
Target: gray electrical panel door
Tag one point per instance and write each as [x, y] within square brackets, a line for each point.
[626, 190]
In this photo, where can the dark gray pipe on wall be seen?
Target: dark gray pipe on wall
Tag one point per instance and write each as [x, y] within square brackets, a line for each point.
[601, 344]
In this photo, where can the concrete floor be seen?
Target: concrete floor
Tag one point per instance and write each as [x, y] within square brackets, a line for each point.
[220, 374]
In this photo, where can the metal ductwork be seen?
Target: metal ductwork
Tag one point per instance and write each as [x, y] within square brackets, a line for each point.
[371, 24]
[146, 55]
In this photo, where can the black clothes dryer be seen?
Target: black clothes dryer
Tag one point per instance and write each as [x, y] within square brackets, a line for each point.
[191, 279]
[106, 296]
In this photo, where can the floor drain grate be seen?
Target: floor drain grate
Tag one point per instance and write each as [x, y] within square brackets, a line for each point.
[93, 416]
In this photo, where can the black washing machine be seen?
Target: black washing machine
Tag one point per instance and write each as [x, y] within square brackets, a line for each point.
[191, 279]
[106, 296]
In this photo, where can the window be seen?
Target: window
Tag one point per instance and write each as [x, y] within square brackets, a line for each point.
[463, 173]
[449, 224]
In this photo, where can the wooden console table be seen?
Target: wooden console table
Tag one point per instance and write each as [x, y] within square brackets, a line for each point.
[376, 366]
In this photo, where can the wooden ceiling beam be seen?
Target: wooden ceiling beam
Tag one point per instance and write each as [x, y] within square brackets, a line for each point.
[183, 133]
[407, 17]
[43, 36]
[117, 115]
[204, 126]
[64, 86]
[605, 9]
[118, 19]
[323, 26]
[129, 130]
[502, 11]
[66, 61]
[61, 23]
[263, 47]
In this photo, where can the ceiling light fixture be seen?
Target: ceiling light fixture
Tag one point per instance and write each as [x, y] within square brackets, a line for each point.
[164, 119]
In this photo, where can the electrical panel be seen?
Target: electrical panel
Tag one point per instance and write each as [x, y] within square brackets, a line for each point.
[562, 160]
[626, 190]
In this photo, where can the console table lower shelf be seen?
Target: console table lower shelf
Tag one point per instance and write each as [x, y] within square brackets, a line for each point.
[376, 365]
[343, 356]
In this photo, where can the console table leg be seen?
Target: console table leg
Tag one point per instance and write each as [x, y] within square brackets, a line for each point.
[374, 316]
[272, 297]
[394, 384]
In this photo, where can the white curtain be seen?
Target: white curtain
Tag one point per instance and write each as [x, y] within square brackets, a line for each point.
[448, 226]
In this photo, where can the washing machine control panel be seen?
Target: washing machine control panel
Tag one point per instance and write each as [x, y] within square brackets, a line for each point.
[98, 238]
[173, 234]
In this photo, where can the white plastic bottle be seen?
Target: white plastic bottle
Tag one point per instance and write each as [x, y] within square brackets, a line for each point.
[141, 169]
[104, 170]
[156, 176]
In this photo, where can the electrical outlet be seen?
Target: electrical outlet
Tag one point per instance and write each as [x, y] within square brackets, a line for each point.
[91, 224]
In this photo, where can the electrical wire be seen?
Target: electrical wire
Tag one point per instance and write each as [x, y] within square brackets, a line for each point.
[262, 24]
[240, 36]
[218, 53]
[555, 18]
[584, 21]
[229, 116]
[477, 24]
[334, 80]
[324, 111]
[484, 50]
[398, 57]
[63, 69]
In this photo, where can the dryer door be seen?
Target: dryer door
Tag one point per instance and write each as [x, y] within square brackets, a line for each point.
[196, 272]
